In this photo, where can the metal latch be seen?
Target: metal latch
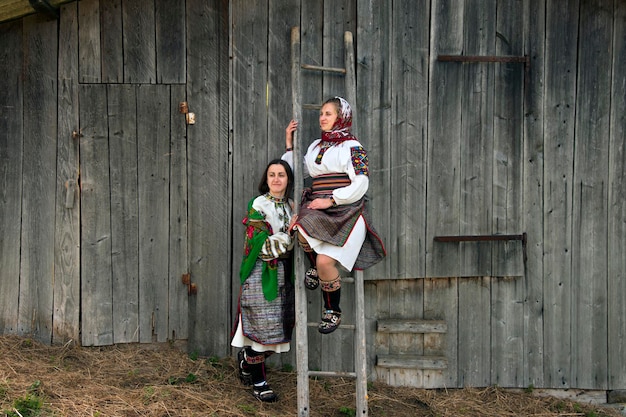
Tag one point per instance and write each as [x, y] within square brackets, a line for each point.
[191, 287]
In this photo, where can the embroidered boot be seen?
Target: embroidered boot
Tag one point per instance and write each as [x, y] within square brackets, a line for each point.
[260, 388]
[311, 281]
[331, 318]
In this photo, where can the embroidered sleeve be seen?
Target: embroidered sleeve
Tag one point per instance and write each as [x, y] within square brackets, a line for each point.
[359, 160]
[275, 245]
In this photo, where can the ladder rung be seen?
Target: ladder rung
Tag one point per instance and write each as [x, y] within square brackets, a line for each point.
[343, 326]
[321, 68]
[333, 374]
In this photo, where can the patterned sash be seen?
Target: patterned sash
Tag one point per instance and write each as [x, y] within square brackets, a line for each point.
[325, 184]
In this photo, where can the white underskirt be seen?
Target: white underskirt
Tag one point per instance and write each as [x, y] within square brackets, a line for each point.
[346, 255]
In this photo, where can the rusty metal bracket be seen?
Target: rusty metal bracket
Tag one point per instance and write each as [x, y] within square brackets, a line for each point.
[191, 287]
[483, 238]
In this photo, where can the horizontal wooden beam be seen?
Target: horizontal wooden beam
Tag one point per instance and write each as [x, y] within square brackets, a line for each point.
[411, 361]
[411, 326]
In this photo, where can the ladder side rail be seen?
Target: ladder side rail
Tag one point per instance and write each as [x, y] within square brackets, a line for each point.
[301, 303]
[360, 344]
[302, 352]
[350, 77]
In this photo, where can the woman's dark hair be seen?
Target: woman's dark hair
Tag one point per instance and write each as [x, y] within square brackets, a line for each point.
[336, 102]
[264, 188]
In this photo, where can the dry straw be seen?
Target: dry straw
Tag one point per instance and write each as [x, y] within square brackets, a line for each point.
[161, 380]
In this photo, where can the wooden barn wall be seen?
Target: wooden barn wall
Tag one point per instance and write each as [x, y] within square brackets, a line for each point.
[99, 225]
[109, 197]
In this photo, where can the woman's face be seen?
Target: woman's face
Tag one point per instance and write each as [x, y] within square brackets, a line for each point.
[328, 116]
[277, 180]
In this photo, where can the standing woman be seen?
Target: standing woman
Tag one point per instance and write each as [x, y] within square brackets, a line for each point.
[266, 301]
[333, 222]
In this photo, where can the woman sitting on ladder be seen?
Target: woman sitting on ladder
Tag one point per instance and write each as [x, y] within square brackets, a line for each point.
[333, 222]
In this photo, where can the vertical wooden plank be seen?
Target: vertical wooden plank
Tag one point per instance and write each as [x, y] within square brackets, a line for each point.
[283, 15]
[138, 20]
[508, 139]
[249, 118]
[123, 143]
[475, 212]
[558, 131]
[89, 53]
[170, 41]
[11, 157]
[476, 144]
[533, 187]
[95, 256]
[507, 322]
[441, 302]
[507, 332]
[66, 324]
[442, 201]
[617, 206]
[209, 172]
[474, 331]
[39, 178]
[444, 135]
[250, 113]
[312, 39]
[178, 233]
[373, 113]
[153, 163]
[339, 17]
[409, 121]
[589, 248]
[111, 50]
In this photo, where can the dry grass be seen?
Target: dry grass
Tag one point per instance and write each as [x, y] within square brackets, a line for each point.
[146, 380]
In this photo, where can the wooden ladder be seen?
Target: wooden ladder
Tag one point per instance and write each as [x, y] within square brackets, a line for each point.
[302, 353]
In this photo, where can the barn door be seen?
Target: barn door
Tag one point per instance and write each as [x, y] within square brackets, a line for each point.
[133, 213]
[475, 186]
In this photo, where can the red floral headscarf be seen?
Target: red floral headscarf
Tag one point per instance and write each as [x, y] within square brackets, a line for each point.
[341, 129]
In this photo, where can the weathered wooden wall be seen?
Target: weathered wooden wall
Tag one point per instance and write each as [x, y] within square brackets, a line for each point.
[109, 196]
